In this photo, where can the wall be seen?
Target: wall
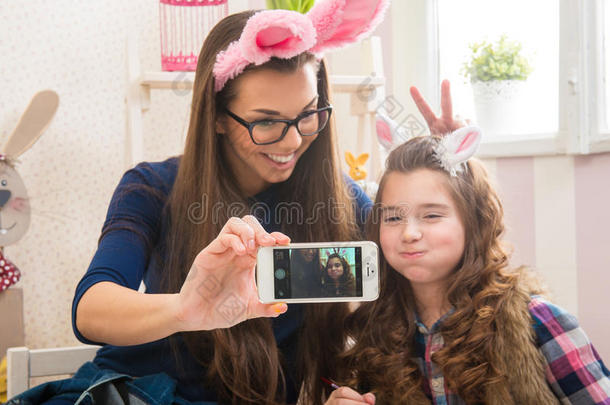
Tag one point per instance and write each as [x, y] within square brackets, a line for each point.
[78, 49]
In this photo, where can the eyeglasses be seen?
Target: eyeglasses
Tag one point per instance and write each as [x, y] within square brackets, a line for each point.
[267, 131]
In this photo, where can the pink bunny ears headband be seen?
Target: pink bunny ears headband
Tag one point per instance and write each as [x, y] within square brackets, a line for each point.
[330, 24]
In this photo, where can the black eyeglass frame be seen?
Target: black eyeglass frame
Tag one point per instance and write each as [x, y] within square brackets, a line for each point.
[289, 123]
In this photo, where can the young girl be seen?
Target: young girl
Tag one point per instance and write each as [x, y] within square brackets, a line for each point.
[454, 323]
[337, 278]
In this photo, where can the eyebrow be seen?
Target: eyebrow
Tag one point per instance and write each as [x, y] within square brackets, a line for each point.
[424, 206]
[273, 112]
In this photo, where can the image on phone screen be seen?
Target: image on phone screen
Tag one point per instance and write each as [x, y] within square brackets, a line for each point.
[317, 272]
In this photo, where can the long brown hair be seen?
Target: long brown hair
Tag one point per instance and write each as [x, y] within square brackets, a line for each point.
[480, 289]
[243, 362]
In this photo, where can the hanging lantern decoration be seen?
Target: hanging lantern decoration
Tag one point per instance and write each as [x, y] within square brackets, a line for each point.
[184, 26]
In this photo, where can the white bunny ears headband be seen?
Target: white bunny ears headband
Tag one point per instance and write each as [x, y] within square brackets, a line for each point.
[330, 24]
[452, 151]
[455, 149]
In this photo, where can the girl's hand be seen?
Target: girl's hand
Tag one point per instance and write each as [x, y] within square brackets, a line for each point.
[347, 396]
[220, 289]
[444, 124]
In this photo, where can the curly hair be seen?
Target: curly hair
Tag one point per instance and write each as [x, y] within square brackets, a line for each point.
[481, 290]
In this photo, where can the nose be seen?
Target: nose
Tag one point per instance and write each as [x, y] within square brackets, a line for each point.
[292, 140]
[5, 195]
[411, 231]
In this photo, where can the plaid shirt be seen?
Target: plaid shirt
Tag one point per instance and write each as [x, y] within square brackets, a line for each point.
[575, 372]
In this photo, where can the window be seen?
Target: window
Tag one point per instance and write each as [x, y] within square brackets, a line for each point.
[565, 107]
[535, 24]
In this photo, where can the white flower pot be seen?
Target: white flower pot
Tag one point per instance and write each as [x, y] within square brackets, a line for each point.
[498, 107]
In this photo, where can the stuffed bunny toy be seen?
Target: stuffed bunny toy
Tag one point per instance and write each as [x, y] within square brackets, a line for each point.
[14, 205]
[358, 173]
[356, 165]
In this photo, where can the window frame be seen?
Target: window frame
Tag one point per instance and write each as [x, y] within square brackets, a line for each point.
[582, 127]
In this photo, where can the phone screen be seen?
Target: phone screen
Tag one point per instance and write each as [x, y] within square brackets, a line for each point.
[317, 272]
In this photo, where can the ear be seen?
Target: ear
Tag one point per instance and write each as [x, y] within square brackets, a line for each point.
[349, 158]
[33, 123]
[221, 124]
[362, 159]
[462, 144]
[342, 22]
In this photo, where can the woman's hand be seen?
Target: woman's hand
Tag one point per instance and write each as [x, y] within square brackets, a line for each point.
[220, 289]
[444, 124]
[347, 396]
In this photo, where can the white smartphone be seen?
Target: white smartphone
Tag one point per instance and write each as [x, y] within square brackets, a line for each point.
[318, 272]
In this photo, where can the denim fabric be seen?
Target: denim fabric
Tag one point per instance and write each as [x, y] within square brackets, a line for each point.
[93, 385]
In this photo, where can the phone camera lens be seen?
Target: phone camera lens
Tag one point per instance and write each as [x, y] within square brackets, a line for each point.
[280, 274]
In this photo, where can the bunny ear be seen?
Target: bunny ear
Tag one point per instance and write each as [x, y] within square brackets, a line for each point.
[362, 159]
[350, 159]
[461, 144]
[268, 33]
[342, 22]
[389, 133]
[279, 33]
[33, 123]
[384, 132]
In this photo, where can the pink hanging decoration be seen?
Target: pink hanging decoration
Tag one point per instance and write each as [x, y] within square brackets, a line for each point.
[184, 26]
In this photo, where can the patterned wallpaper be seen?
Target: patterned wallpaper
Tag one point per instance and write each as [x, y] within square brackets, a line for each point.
[78, 49]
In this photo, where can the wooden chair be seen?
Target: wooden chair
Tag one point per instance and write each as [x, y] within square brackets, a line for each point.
[23, 363]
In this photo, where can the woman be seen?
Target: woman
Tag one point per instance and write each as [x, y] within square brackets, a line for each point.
[259, 135]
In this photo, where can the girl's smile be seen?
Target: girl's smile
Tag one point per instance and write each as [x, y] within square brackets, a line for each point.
[335, 268]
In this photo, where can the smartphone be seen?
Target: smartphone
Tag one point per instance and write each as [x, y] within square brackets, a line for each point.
[318, 272]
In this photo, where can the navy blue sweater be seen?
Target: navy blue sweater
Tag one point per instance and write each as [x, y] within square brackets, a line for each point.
[123, 257]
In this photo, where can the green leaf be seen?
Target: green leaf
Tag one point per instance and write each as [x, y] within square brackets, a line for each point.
[499, 60]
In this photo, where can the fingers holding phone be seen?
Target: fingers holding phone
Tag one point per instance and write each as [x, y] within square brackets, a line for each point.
[220, 289]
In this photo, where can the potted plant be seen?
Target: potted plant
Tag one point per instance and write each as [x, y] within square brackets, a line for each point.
[497, 73]
[302, 6]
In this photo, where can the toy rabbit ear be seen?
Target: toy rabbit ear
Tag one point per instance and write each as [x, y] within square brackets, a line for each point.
[32, 123]
[342, 22]
[362, 159]
[350, 159]
[462, 144]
